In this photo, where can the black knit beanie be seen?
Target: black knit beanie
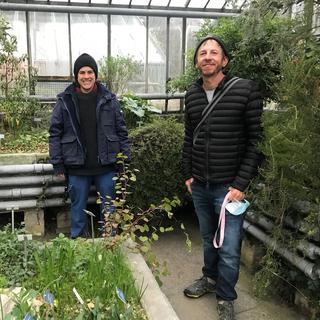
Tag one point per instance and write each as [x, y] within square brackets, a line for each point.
[222, 45]
[84, 60]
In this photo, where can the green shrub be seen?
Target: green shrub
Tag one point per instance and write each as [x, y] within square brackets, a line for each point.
[16, 262]
[156, 153]
[136, 110]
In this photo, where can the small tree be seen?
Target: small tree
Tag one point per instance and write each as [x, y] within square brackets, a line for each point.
[117, 71]
[17, 108]
[13, 69]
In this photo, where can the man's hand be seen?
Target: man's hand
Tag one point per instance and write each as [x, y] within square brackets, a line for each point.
[236, 194]
[61, 176]
[188, 183]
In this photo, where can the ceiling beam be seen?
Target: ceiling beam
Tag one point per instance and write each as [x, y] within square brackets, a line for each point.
[117, 10]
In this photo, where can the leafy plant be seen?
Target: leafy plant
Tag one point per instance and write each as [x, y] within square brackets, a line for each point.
[13, 74]
[79, 280]
[117, 71]
[123, 222]
[33, 141]
[136, 110]
[16, 109]
[156, 153]
[13, 267]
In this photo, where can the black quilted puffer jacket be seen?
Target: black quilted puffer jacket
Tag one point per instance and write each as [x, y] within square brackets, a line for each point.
[225, 150]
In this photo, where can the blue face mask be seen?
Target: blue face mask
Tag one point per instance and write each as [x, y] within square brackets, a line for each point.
[237, 207]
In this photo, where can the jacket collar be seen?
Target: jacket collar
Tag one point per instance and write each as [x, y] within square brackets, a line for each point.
[221, 84]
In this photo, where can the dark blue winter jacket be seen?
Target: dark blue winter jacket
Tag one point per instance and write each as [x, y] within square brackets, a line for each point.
[65, 146]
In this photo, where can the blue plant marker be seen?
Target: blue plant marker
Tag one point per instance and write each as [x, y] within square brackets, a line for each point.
[48, 297]
[120, 295]
[28, 317]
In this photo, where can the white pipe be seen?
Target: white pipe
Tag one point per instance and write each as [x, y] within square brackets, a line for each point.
[261, 220]
[309, 249]
[309, 269]
[27, 204]
[28, 180]
[30, 192]
[26, 168]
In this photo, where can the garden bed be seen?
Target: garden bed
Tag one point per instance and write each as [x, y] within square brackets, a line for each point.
[67, 279]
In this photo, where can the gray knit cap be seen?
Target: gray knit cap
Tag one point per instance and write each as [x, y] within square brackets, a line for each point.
[221, 43]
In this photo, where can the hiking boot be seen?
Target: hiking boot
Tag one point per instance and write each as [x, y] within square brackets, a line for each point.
[200, 287]
[225, 310]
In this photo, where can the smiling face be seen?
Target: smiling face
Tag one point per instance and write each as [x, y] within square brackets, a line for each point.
[210, 59]
[86, 79]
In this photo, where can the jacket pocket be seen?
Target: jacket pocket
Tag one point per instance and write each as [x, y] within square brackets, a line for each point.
[113, 143]
[109, 129]
[69, 145]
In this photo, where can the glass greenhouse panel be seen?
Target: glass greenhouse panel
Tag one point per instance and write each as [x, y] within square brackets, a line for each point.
[197, 3]
[157, 55]
[89, 34]
[140, 2]
[100, 1]
[124, 2]
[17, 21]
[193, 25]
[128, 38]
[162, 3]
[216, 4]
[49, 43]
[175, 47]
[177, 3]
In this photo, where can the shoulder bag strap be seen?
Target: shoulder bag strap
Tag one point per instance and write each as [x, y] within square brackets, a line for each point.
[207, 110]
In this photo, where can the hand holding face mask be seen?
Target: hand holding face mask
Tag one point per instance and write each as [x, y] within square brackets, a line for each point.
[237, 207]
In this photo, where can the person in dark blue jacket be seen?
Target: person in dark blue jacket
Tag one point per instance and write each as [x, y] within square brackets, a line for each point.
[87, 131]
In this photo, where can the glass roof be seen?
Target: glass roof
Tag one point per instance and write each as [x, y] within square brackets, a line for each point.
[218, 5]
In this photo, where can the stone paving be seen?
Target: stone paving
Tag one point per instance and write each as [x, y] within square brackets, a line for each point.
[185, 267]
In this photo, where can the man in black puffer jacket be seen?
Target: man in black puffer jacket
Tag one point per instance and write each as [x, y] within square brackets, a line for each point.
[220, 158]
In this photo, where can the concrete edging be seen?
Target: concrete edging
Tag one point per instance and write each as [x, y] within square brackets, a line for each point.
[154, 302]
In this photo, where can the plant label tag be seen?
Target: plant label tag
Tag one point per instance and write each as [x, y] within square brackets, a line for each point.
[120, 295]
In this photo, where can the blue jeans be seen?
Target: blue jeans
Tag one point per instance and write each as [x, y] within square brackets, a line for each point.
[79, 187]
[220, 264]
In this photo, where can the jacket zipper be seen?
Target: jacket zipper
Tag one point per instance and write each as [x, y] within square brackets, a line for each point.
[207, 152]
[99, 104]
[72, 124]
